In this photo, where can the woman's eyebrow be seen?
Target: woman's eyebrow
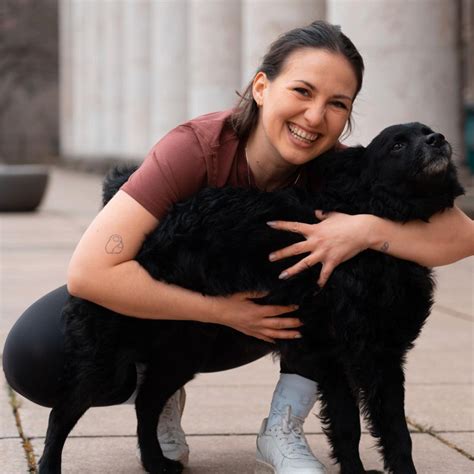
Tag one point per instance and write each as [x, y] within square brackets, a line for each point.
[337, 96]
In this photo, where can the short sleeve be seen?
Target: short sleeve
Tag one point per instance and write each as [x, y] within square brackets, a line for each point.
[173, 171]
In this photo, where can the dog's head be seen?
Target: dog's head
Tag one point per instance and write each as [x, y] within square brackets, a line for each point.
[412, 163]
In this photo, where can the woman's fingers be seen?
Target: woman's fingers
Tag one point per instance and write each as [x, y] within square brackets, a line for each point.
[290, 251]
[282, 323]
[302, 265]
[264, 338]
[275, 327]
[326, 271]
[296, 227]
[282, 334]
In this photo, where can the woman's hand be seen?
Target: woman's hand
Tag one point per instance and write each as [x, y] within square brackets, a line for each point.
[261, 321]
[334, 240]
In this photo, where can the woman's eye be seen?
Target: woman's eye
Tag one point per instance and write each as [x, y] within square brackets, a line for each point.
[398, 146]
[340, 105]
[302, 91]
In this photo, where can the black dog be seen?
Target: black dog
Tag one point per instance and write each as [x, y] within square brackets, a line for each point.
[357, 329]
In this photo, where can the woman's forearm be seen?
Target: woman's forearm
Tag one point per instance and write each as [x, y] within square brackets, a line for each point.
[446, 238]
[128, 289]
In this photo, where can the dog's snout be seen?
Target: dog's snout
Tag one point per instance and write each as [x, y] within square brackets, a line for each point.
[435, 139]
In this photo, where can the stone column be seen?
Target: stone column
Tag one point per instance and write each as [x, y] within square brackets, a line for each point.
[123, 75]
[66, 107]
[111, 66]
[214, 54]
[264, 20]
[169, 71]
[411, 52]
[135, 71]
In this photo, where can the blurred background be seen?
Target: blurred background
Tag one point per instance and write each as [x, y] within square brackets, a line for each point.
[89, 82]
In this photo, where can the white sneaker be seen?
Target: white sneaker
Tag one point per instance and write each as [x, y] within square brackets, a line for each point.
[170, 433]
[284, 449]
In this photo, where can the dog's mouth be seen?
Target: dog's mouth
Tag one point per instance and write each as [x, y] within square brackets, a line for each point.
[436, 159]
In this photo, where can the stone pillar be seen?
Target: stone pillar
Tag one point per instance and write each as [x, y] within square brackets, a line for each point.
[123, 75]
[136, 52]
[66, 107]
[214, 54]
[410, 48]
[264, 20]
[169, 72]
[110, 46]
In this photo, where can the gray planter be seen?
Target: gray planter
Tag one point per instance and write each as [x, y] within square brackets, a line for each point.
[22, 187]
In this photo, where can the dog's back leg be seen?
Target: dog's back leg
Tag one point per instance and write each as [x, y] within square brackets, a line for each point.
[62, 419]
[384, 397]
[340, 415]
[152, 396]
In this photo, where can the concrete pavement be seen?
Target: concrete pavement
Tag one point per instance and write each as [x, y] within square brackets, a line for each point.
[224, 410]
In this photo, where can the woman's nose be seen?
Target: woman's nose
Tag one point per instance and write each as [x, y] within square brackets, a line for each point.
[315, 114]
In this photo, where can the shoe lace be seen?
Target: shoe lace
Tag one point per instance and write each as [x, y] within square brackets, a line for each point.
[291, 433]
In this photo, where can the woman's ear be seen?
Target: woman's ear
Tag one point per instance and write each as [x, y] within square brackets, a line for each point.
[259, 85]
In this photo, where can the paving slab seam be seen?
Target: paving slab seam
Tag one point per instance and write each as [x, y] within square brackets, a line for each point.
[439, 384]
[435, 434]
[198, 435]
[453, 431]
[453, 312]
[26, 443]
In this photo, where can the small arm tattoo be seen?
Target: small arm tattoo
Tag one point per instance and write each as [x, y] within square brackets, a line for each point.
[385, 247]
[114, 244]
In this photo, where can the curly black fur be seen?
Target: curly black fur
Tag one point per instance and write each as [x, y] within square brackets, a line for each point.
[357, 329]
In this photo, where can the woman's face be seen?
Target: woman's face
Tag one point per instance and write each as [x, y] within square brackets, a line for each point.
[304, 110]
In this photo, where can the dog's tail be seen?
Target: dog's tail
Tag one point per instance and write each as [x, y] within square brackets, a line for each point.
[114, 179]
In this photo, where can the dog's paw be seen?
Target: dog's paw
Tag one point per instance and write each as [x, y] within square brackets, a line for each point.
[166, 466]
[44, 468]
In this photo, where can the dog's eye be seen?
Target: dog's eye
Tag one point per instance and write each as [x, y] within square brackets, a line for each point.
[398, 146]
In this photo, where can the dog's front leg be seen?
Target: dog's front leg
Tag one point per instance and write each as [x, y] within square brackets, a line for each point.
[384, 397]
[340, 415]
[152, 396]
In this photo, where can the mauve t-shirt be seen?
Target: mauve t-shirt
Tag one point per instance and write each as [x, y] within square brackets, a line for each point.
[204, 151]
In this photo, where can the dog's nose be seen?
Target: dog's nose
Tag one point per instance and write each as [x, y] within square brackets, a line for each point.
[435, 139]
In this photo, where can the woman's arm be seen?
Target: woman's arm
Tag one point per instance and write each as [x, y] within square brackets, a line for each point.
[103, 270]
[448, 237]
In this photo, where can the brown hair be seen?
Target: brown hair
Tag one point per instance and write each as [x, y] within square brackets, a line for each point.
[318, 34]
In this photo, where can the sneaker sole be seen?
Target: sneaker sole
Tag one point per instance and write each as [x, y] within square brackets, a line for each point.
[264, 468]
[184, 460]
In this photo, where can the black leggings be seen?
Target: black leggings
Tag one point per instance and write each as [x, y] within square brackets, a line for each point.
[33, 355]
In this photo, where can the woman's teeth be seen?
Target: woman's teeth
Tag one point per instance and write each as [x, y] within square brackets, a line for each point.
[301, 134]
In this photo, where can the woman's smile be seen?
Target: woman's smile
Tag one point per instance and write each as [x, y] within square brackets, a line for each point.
[301, 137]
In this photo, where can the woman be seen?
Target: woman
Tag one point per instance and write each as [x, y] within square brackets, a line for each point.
[296, 107]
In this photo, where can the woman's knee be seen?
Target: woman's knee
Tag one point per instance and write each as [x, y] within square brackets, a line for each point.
[33, 356]
[33, 351]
